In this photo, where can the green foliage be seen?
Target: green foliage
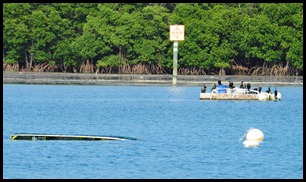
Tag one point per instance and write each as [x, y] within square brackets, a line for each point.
[15, 30]
[115, 34]
[153, 37]
[109, 61]
[10, 57]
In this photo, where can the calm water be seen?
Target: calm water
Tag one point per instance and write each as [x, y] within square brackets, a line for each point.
[179, 135]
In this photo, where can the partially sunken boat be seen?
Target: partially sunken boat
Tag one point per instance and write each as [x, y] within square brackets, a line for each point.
[221, 92]
[32, 136]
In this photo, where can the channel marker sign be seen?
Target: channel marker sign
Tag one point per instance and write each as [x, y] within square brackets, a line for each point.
[177, 32]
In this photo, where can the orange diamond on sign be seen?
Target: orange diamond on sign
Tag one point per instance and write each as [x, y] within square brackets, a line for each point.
[177, 32]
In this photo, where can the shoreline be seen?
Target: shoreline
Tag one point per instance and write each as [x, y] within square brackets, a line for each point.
[127, 79]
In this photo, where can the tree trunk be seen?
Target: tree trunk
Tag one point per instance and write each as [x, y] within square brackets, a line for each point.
[28, 63]
[31, 61]
[285, 70]
[222, 72]
[26, 58]
[120, 53]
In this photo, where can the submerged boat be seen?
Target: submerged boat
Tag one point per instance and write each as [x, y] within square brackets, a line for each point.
[35, 136]
[221, 92]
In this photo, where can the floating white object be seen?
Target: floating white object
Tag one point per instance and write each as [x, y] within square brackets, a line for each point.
[251, 143]
[253, 137]
[263, 96]
[278, 96]
[254, 134]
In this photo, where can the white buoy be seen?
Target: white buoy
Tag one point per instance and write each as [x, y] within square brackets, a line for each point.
[253, 137]
[255, 134]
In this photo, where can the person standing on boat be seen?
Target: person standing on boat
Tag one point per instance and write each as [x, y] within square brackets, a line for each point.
[248, 86]
[219, 82]
[230, 85]
[259, 89]
[241, 85]
[269, 90]
[213, 87]
[221, 88]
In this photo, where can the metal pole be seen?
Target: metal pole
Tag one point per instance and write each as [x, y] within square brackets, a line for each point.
[175, 52]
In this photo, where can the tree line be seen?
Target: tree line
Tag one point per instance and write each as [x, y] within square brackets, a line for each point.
[133, 38]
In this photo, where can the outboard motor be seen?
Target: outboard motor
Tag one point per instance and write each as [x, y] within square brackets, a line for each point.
[275, 93]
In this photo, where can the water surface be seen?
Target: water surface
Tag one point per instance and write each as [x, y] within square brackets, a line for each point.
[178, 135]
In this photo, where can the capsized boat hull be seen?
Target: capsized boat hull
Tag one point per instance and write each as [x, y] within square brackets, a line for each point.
[30, 136]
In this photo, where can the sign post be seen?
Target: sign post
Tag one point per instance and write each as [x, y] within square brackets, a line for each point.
[176, 34]
[175, 50]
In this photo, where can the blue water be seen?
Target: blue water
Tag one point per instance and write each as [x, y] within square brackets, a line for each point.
[178, 135]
